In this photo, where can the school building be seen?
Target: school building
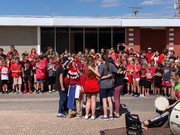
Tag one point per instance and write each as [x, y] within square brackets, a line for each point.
[78, 33]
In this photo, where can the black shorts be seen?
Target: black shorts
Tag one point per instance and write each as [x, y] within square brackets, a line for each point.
[142, 82]
[148, 84]
[51, 80]
[4, 82]
[27, 78]
[104, 93]
[157, 82]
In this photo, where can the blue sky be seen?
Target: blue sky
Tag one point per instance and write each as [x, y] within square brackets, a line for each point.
[149, 8]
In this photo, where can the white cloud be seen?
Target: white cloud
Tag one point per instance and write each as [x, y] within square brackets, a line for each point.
[154, 2]
[110, 3]
[88, 1]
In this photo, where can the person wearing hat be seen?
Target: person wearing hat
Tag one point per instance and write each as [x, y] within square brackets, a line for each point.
[149, 55]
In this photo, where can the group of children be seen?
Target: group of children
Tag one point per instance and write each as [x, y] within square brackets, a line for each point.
[27, 73]
[30, 72]
[149, 79]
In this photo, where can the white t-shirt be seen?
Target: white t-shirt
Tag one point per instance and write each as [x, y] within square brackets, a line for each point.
[4, 76]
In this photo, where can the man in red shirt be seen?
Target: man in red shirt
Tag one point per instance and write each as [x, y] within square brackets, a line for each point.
[149, 55]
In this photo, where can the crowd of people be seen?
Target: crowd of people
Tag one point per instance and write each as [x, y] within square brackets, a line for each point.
[110, 73]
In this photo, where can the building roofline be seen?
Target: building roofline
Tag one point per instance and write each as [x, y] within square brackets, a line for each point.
[84, 21]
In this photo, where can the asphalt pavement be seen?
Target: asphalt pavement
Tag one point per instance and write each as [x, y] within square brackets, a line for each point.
[33, 114]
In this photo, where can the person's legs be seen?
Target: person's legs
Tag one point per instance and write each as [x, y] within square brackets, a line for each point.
[93, 104]
[104, 100]
[117, 91]
[134, 86]
[78, 107]
[62, 101]
[137, 84]
[88, 104]
[157, 120]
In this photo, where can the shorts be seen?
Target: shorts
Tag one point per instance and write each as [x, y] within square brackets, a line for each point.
[136, 79]
[17, 80]
[148, 84]
[157, 82]
[130, 80]
[27, 78]
[142, 82]
[51, 80]
[104, 93]
[166, 83]
[4, 82]
[40, 80]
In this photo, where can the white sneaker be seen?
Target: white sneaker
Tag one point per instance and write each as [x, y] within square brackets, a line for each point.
[86, 117]
[142, 95]
[93, 117]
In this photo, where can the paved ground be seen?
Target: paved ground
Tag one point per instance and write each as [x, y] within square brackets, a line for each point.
[36, 114]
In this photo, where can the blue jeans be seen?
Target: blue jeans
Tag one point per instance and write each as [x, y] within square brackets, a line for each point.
[62, 101]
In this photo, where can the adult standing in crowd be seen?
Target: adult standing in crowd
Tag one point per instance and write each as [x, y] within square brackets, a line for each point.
[118, 87]
[106, 87]
[12, 51]
[61, 72]
[149, 55]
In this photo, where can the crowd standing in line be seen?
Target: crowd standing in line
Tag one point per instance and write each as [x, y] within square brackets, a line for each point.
[108, 73]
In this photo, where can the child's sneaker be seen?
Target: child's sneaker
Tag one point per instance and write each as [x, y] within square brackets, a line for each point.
[86, 117]
[30, 91]
[104, 118]
[25, 91]
[111, 117]
[50, 91]
[93, 117]
[53, 90]
[61, 115]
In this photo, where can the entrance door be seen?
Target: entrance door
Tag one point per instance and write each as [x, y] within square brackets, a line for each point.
[154, 38]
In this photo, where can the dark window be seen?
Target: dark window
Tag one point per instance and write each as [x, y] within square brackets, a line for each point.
[62, 39]
[91, 38]
[118, 36]
[105, 38]
[76, 40]
[47, 38]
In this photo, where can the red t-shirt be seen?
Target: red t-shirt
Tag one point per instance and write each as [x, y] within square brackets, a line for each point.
[160, 58]
[136, 73]
[16, 67]
[149, 73]
[32, 55]
[143, 73]
[8, 54]
[40, 72]
[149, 56]
[153, 69]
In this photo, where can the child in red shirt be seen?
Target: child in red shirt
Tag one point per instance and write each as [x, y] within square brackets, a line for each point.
[40, 74]
[129, 76]
[16, 70]
[136, 77]
[149, 76]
